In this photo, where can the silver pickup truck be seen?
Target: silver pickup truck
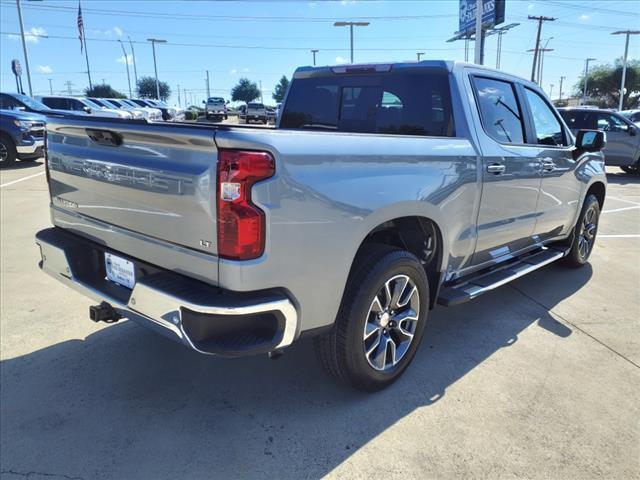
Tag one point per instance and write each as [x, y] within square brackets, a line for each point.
[383, 190]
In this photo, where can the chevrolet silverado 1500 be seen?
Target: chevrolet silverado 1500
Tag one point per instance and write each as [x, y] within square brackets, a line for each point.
[383, 190]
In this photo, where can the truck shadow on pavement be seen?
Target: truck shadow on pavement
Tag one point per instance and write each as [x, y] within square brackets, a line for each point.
[622, 178]
[24, 165]
[126, 403]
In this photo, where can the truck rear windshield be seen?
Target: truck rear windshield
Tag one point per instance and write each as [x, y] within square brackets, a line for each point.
[398, 103]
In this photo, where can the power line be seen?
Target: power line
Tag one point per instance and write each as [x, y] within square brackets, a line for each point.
[247, 47]
[240, 18]
[592, 8]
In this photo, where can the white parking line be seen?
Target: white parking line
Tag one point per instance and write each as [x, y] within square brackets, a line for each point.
[620, 236]
[624, 209]
[623, 200]
[21, 179]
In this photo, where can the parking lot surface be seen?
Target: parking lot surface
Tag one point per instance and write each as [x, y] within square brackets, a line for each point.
[539, 379]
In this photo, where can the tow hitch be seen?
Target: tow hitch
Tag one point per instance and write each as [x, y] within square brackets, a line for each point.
[103, 313]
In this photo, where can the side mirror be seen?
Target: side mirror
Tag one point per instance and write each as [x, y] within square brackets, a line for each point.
[591, 140]
[86, 109]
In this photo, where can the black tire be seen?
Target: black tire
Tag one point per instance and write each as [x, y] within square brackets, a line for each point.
[585, 230]
[8, 153]
[341, 351]
[631, 169]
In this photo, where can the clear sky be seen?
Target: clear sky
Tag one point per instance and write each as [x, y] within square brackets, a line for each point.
[264, 40]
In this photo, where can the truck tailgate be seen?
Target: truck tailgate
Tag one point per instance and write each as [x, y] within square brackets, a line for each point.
[155, 180]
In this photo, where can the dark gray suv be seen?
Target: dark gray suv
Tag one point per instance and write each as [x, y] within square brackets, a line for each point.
[623, 139]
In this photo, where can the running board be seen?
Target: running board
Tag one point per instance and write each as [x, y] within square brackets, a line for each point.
[468, 288]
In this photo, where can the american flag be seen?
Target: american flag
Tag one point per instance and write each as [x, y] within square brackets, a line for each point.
[80, 26]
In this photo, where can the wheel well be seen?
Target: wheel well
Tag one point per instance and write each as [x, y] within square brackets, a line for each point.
[598, 189]
[418, 235]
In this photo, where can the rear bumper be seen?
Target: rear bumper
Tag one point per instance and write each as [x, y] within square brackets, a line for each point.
[200, 316]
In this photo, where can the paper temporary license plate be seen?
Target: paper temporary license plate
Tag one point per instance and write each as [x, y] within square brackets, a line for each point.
[119, 270]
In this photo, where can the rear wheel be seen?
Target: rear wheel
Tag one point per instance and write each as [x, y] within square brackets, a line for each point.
[584, 236]
[381, 320]
[8, 153]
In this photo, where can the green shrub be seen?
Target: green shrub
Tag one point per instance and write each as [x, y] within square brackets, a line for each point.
[190, 115]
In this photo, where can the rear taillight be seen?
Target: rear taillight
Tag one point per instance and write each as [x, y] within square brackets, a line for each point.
[241, 224]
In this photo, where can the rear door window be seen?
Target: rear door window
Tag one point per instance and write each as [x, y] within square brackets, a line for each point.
[397, 103]
[58, 103]
[499, 109]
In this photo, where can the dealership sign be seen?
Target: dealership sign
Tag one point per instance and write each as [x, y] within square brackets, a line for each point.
[492, 14]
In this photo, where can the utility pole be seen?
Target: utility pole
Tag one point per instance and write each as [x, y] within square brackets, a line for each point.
[24, 47]
[586, 78]
[560, 94]
[477, 57]
[313, 52]
[540, 20]
[551, 90]
[50, 86]
[261, 101]
[208, 87]
[628, 33]
[155, 65]
[419, 55]
[135, 71]
[69, 83]
[179, 104]
[126, 62]
[351, 25]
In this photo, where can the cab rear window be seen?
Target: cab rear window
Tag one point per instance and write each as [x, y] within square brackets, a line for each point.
[396, 103]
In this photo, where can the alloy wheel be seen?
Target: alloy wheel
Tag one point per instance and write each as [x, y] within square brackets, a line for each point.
[391, 322]
[588, 231]
[4, 152]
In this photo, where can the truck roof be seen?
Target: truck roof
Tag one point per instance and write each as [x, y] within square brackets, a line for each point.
[381, 67]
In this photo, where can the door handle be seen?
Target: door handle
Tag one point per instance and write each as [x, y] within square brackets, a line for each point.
[548, 165]
[496, 168]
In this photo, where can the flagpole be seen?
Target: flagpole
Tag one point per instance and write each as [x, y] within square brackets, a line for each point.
[86, 56]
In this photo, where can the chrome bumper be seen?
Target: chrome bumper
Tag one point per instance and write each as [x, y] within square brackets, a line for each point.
[159, 305]
[29, 149]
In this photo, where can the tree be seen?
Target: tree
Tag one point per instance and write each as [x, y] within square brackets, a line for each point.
[147, 88]
[281, 89]
[603, 86]
[103, 91]
[245, 91]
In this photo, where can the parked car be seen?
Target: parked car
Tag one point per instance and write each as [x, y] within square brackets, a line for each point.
[216, 109]
[271, 115]
[105, 103]
[21, 136]
[17, 101]
[254, 112]
[384, 190]
[81, 106]
[153, 114]
[633, 115]
[168, 113]
[623, 141]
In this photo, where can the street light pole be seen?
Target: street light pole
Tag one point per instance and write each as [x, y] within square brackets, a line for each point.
[560, 94]
[586, 78]
[351, 25]
[419, 54]
[314, 51]
[155, 65]
[24, 47]
[126, 62]
[500, 31]
[628, 33]
[551, 91]
[135, 70]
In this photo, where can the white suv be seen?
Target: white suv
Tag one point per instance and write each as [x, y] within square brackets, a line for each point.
[82, 106]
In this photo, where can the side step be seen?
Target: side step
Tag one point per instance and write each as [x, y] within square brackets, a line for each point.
[466, 289]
